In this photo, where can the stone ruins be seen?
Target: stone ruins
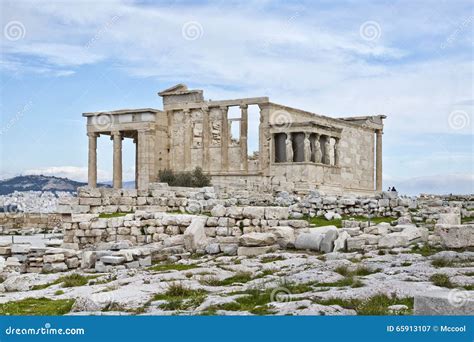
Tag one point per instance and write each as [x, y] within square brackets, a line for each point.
[300, 227]
[296, 149]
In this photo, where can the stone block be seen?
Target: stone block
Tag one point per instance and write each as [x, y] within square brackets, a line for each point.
[276, 213]
[56, 267]
[195, 235]
[285, 235]
[355, 243]
[253, 212]
[327, 243]
[85, 191]
[449, 219]
[90, 201]
[455, 236]
[112, 259]
[254, 251]
[76, 218]
[218, 211]
[445, 303]
[257, 239]
[51, 258]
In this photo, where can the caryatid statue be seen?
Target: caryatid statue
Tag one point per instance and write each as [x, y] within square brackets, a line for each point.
[307, 148]
[318, 154]
[327, 151]
[289, 148]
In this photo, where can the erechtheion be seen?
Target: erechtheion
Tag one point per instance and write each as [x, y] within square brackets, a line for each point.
[296, 149]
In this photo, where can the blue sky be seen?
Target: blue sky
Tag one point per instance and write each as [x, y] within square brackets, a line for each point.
[410, 60]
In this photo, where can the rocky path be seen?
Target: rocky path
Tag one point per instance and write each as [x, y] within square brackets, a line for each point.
[284, 283]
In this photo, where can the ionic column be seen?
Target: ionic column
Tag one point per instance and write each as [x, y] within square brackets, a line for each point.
[264, 139]
[243, 137]
[205, 139]
[188, 139]
[135, 141]
[378, 165]
[224, 139]
[117, 177]
[336, 151]
[92, 160]
[143, 156]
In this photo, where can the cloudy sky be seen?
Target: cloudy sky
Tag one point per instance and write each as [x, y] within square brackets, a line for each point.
[411, 60]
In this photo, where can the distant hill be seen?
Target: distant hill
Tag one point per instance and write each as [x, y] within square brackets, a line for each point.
[39, 183]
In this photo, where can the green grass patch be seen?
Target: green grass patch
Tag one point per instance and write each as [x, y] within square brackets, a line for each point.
[111, 215]
[37, 307]
[72, 280]
[406, 264]
[442, 280]
[359, 271]
[320, 221]
[240, 277]
[375, 305]
[346, 281]
[59, 292]
[180, 297]
[442, 263]
[425, 250]
[171, 267]
[256, 300]
[267, 259]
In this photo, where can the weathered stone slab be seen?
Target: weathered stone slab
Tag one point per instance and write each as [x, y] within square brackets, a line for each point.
[455, 236]
[254, 251]
[451, 303]
[195, 235]
[257, 239]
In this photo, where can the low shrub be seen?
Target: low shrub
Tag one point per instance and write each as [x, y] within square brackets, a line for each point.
[196, 178]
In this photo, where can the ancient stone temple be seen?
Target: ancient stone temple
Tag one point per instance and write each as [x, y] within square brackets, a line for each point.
[297, 150]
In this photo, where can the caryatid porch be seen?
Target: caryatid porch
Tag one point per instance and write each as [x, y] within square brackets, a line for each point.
[139, 125]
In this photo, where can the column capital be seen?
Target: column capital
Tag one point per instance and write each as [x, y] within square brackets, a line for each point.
[113, 133]
[224, 108]
[244, 106]
[93, 134]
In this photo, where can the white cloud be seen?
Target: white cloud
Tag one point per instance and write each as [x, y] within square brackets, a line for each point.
[303, 55]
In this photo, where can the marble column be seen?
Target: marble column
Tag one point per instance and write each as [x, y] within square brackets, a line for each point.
[224, 139]
[143, 159]
[337, 152]
[92, 167]
[117, 176]
[243, 138]
[378, 165]
[205, 139]
[188, 139]
[135, 141]
[264, 139]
